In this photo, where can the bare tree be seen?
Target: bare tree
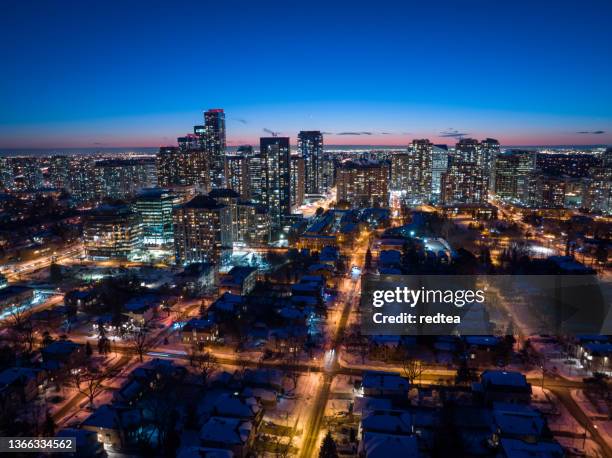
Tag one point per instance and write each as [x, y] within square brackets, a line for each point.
[206, 363]
[193, 351]
[412, 368]
[161, 401]
[140, 340]
[22, 324]
[89, 381]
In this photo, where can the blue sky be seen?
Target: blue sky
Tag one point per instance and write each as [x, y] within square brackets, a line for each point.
[140, 73]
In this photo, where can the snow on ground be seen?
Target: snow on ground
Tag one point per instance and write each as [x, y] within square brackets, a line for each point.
[343, 384]
[586, 405]
[605, 430]
[560, 419]
[600, 419]
[576, 446]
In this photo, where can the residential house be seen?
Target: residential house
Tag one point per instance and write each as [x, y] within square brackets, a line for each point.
[504, 386]
[384, 384]
[239, 280]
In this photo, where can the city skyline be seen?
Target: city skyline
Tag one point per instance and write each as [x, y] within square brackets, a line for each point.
[526, 75]
[306, 229]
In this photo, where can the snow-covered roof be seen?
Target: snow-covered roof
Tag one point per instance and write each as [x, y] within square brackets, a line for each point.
[503, 378]
[517, 419]
[384, 380]
[519, 449]
[377, 445]
[388, 421]
[228, 431]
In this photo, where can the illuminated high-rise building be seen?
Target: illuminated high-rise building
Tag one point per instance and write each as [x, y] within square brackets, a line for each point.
[310, 147]
[154, 206]
[168, 166]
[439, 166]
[6, 174]
[467, 150]
[112, 232]
[363, 183]
[512, 171]
[253, 224]
[297, 180]
[27, 174]
[59, 171]
[598, 186]
[120, 178]
[400, 171]
[192, 141]
[237, 174]
[547, 191]
[421, 170]
[230, 199]
[202, 230]
[327, 178]
[468, 175]
[256, 178]
[275, 167]
[489, 150]
[182, 167]
[82, 180]
[463, 183]
[214, 132]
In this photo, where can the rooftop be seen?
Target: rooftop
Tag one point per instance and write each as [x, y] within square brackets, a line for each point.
[503, 378]
[223, 193]
[203, 202]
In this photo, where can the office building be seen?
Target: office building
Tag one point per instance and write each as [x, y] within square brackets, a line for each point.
[512, 170]
[112, 232]
[202, 230]
[154, 206]
[310, 147]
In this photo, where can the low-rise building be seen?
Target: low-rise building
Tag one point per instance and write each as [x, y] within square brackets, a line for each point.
[19, 385]
[200, 331]
[63, 353]
[143, 308]
[239, 280]
[503, 386]
[14, 296]
[198, 278]
[384, 384]
[87, 444]
[231, 434]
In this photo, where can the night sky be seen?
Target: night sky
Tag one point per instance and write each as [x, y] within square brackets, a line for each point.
[140, 73]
